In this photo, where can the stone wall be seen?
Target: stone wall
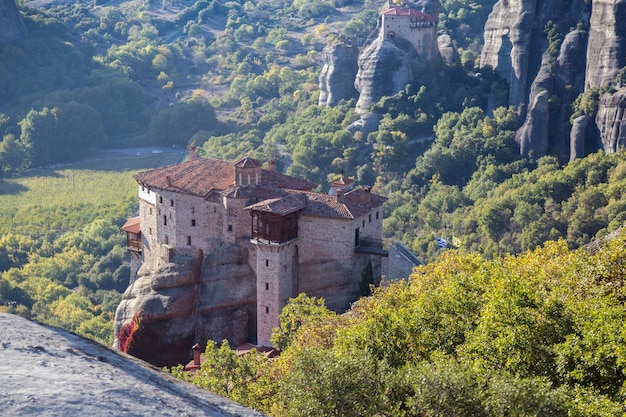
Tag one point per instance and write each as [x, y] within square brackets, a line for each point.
[423, 39]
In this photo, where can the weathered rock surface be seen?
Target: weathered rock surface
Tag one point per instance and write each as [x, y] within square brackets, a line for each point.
[385, 67]
[192, 298]
[336, 79]
[507, 39]
[11, 24]
[571, 61]
[611, 120]
[447, 50]
[583, 137]
[606, 49]
[46, 371]
[533, 135]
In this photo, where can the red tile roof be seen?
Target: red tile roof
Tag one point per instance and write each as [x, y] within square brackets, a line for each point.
[353, 204]
[198, 177]
[132, 225]
[341, 181]
[282, 205]
[401, 11]
[247, 162]
[203, 176]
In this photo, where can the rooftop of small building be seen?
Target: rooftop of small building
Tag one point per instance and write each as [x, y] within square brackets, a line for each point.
[405, 11]
[132, 225]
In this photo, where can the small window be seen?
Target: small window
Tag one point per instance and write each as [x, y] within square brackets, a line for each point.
[150, 210]
[160, 199]
[363, 223]
[267, 262]
[267, 310]
[167, 239]
[376, 215]
[188, 240]
[171, 203]
[143, 188]
[164, 220]
[230, 227]
[267, 286]
[193, 222]
[150, 231]
[370, 218]
[214, 209]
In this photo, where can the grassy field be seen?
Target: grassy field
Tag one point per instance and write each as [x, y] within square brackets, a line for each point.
[48, 200]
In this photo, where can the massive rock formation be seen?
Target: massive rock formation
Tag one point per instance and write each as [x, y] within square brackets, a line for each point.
[385, 67]
[11, 23]
[507, 41]
[336, 79]
[606, 49]
[46, 371]
[611, 120]
[191, 298]
[447, 50]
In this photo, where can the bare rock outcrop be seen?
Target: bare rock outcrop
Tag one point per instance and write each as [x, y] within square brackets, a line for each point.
[611, 120]
[385, 67]
[46, 371]
[447, 50]
[606, 49]
[11, 24]
[191, 298]
[506, 50]
[336, 79]
[583, 137]
[533, 135]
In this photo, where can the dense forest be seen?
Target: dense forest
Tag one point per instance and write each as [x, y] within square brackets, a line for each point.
[528, 335]
[475, 332]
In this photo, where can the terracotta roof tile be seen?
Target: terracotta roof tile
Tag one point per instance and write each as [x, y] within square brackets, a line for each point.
[196, 177]
[282, 205]
[278, 180]
[401, 11]
[132, 225]
[354, 204]
[247, 162]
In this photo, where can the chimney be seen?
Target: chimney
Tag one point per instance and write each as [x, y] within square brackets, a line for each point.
[196, 354]
[340, 195]
[271, 165]
[192, 152]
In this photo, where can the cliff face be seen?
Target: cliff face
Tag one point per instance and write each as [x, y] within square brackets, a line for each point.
[385, 67]
[513, 39]
[606, 50]
[506, 49]
[336, 79]
[11, 24]
[611, 120]
[191, 298]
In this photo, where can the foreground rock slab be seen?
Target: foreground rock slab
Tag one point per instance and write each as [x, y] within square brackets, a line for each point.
[46, 371]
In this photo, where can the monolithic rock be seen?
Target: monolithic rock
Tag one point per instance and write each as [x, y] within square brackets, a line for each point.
[583, 137]
[507, 40]
[611, 120]
[11, 24]
[385, 67]
[533, 135]
[606, 49]
[571, 61]
[46, 371]
[191, 298]
[338, 73]
[447, 50]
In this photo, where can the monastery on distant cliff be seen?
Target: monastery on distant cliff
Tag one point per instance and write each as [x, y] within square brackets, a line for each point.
[296, 240]
[417, 27]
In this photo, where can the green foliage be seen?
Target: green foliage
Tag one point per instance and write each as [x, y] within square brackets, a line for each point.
[299, 311]
[534, 334]
[178, 123]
